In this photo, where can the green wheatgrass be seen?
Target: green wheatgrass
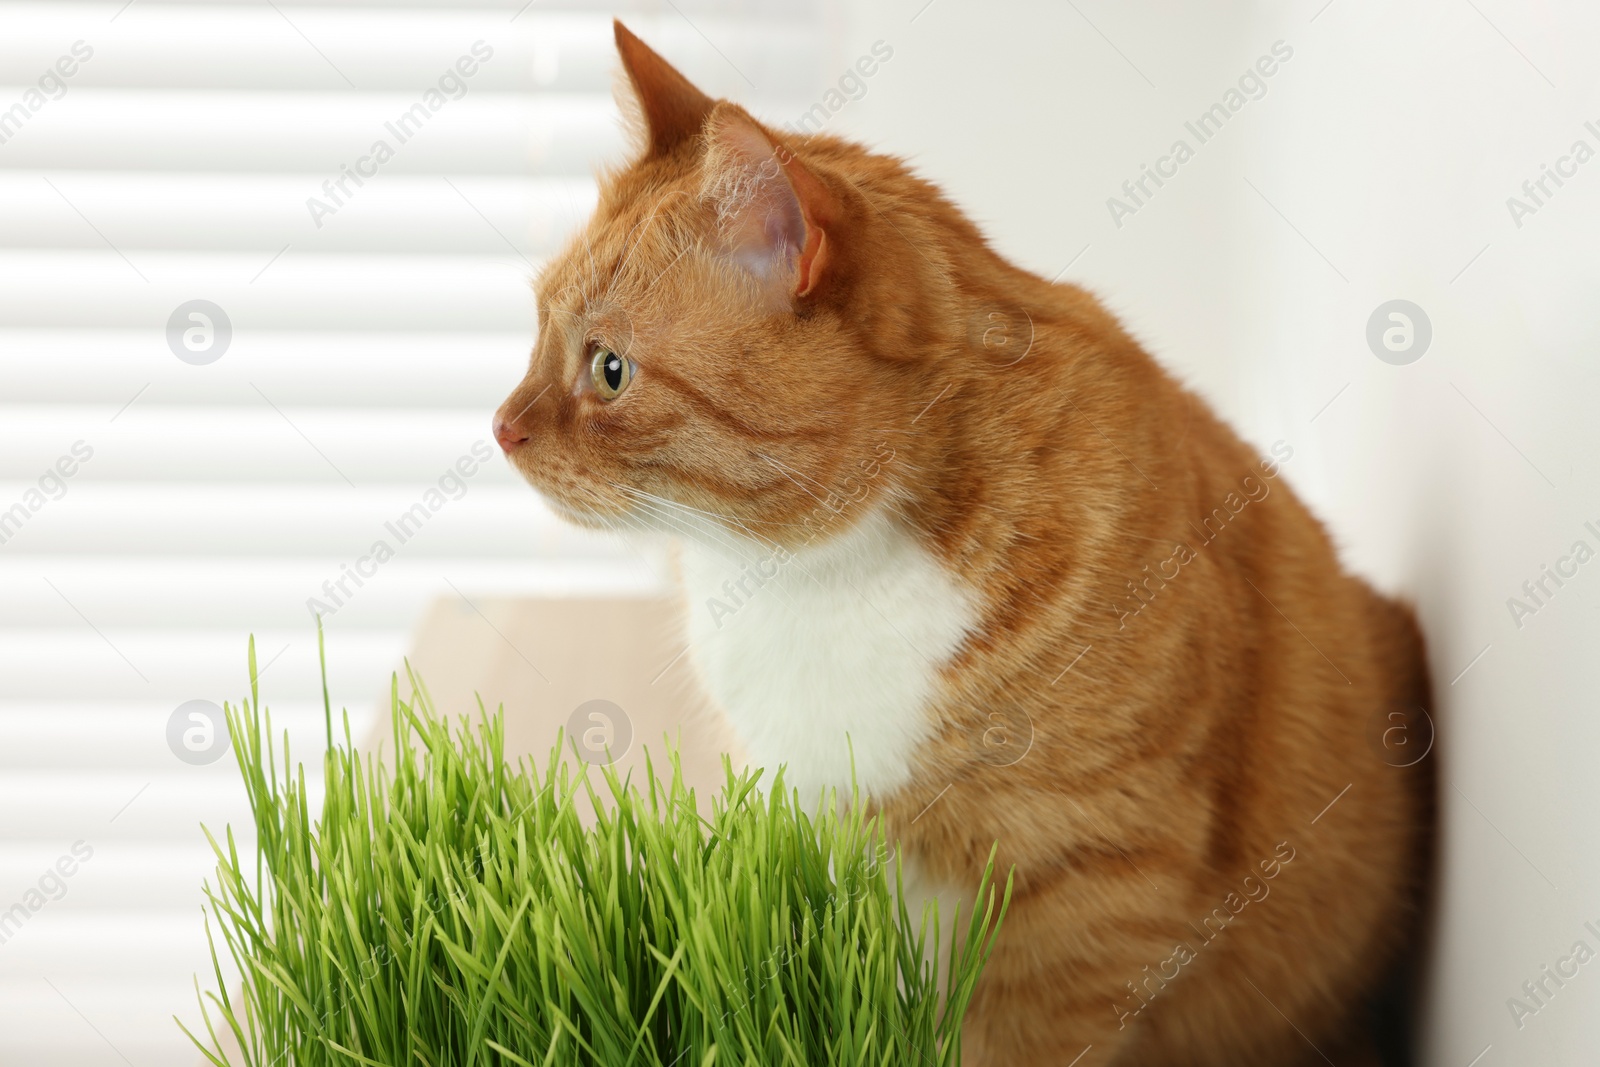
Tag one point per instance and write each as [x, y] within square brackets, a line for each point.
[453, 910]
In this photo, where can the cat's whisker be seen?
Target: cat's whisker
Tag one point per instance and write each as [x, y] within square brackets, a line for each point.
[676, 506]
[665, 510]
[856, 551]
[793, 558]
[594, 272]
[636, 235]
[668, 267]
[719, 516]
[793, 473]
[734, 549]
[659, 502]
[672, 513]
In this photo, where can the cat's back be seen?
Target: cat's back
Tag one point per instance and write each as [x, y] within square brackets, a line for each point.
[1184, 633]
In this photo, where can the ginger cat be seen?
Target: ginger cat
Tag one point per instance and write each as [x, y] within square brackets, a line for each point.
[941, 510]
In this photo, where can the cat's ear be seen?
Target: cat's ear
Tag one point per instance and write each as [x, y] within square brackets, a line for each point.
[773, 212]
[663, 108]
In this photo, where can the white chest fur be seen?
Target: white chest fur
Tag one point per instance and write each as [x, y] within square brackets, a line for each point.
[837, 649]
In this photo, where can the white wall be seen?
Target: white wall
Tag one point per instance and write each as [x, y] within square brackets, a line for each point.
[1376, 166]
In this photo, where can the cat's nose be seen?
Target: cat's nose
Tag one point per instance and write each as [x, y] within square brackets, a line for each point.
[509, 433]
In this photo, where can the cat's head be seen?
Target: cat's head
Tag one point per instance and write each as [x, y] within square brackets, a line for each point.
[730, 343]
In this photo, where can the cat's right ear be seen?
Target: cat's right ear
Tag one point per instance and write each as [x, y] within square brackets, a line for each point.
[773, 212]
[662, 108]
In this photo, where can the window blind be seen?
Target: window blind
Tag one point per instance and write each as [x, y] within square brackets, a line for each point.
[237, 349]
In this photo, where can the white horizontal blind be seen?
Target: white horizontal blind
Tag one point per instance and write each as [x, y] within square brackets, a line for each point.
[207, 502]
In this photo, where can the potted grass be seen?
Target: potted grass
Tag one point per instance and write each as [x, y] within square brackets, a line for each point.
[445, 906]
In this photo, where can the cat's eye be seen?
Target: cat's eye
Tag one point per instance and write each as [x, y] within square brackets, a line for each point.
[609, 372]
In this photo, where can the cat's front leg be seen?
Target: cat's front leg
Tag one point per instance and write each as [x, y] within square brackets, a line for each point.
[1076, 970]
[1031, 1025]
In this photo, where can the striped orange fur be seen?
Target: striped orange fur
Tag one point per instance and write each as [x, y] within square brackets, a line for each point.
[1157, 690]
